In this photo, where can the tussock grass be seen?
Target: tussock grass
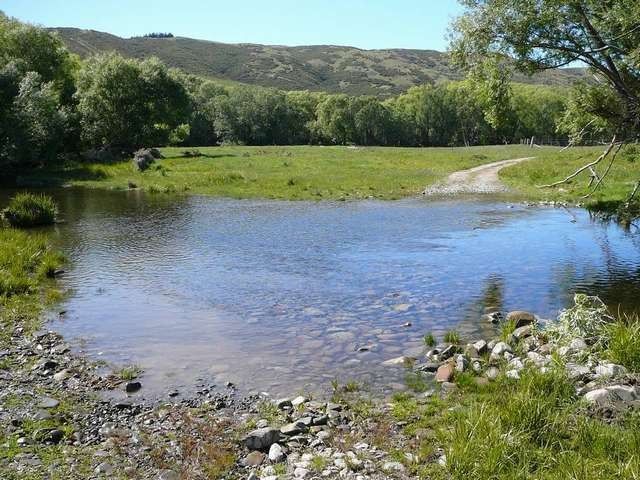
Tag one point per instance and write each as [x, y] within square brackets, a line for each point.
[624, 343]
[452, 337]
[30, 210]
[25, 261]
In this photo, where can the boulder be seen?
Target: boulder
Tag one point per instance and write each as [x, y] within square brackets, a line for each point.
[481, 347]
[262, 438]
[445, 373]
[521, 318]
[614, 394]
[143, 159]
[500, 349]
[523, 332]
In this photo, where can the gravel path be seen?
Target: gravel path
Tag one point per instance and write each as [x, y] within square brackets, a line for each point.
[481, 179]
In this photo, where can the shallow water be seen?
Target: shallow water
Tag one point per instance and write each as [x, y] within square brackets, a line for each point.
[279, 296]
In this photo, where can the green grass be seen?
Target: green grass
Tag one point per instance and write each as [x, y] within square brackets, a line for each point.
[452, 336]
[535, 428]
[289, 173]
[30, 210]
[130, 372]
[624, 343]
[551, 165]
[429, 340]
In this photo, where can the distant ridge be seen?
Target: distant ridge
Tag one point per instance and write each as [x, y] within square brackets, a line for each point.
[325, 68]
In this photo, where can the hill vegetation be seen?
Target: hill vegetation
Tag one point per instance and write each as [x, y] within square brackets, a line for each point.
[326, 68]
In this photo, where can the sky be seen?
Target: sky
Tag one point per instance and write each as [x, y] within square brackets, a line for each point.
[366, 24]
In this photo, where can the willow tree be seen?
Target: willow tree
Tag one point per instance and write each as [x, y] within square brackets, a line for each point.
[495, 37]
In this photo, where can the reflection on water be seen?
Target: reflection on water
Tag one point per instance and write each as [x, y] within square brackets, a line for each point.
[279, 296]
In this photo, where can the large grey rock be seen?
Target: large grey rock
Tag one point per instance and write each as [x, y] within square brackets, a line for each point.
[294, 428]
[500, 349]
[481, 347]
[610, 370]
[262, 438]
[577, 372]
[614, 394]
[143, 159]
[521, 318]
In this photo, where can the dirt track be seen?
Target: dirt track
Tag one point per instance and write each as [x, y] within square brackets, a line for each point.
[481, 179]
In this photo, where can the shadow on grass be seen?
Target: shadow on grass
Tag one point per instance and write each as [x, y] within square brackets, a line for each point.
[58, 177]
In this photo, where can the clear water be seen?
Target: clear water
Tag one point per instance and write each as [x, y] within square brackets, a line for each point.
[279, 296]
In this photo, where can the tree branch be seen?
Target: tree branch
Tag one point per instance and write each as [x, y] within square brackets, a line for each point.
[606, 172]
[585, 167]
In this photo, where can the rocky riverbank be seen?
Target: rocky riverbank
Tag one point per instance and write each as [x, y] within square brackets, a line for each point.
[57, 425]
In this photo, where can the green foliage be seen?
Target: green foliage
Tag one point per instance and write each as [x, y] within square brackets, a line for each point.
[130, 372]
[30, 210]
[36, 88]
[588, 318]
[126, 104]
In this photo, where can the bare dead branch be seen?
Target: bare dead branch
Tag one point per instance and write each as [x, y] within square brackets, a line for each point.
[606, 172]
[633, 194]
[585, 167]
[579, 136]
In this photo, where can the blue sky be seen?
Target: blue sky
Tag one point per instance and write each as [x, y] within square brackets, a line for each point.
[360, 23]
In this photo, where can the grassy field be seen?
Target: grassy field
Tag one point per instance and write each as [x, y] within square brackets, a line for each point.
[291, 173]
[551, 165]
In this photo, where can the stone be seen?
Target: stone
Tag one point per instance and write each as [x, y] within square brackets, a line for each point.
[610, 370]
[481, 347]
[254, 459]
[300, 472]
[283, 403]
[578, 345]
[62, 375]
[105, 468]
[398, 361]
[500, 349]
[461, 363]
[445, 373]
[168, 475]
[493, 317]
[393, 467]
[448, 352]
[492, 373]
[614, 394]
[476, 366]
[132, 387]
[537, 359]
[429, 367]
[471, 352]
[276, 453]
[54, 436]
[48, 402]
[262, 438]
[516, 364]
[521, 318]
[296, 402]
[143, 159]
[294, 428]
[513, 374]
[523, 332]
[577, 372]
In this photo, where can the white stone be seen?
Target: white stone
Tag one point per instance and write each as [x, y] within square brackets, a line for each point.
[393, 467]
[296, 402]
[276, 454]
[609, 370]
[300, 472]
[513, 374]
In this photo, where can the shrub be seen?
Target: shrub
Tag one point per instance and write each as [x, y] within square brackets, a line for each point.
[30, 210]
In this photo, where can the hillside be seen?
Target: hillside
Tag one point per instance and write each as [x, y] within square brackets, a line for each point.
[320, 67]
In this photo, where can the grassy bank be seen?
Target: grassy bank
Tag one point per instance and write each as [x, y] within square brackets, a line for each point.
[552, 165]
[289, 173]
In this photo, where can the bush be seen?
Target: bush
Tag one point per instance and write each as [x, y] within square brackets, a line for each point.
[30, 210]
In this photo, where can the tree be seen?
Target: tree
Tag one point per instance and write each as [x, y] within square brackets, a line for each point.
[127, 104]
[36, 88]
[536, 35]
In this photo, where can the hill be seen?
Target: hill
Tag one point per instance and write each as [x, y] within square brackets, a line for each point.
[319, 67]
